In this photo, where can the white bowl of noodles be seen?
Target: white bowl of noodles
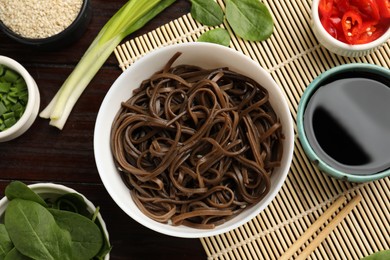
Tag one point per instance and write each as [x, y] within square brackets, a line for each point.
[179, 170]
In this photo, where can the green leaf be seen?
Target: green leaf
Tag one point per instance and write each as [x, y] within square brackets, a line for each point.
[72, 202]
[14, 254]
[207, 12]
[5, 242]
[86, 237]
[381, 255]
[218, 36]
[40, 233]
[249, 19]
[106, 248]
[18, 189]
[34, 231]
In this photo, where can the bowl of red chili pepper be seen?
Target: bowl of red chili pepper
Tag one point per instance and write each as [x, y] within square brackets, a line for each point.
[351, 28]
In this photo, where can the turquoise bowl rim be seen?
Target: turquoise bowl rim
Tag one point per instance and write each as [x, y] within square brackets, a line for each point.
[312, 87]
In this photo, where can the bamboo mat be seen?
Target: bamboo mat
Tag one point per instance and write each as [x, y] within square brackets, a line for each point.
[294, 58]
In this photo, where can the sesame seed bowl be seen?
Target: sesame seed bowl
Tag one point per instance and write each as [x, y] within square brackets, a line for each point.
[45, 25]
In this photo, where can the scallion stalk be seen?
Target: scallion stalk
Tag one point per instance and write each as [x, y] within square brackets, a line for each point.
[131, 17]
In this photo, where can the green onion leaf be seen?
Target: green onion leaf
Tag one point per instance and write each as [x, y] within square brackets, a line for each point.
[132, 16]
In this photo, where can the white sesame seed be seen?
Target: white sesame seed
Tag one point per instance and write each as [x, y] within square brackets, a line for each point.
[38, 19]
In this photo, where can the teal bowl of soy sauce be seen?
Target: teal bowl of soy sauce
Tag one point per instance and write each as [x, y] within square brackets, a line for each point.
[343, 122]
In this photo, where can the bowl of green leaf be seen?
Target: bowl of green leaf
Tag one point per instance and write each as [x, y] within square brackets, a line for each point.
[68, 223]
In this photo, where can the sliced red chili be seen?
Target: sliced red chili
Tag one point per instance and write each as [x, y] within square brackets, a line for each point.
[330, 18]
[369, 8]
[351, 23]
[355, 21]
[384, 8]
[325, 8]
[370, 31]
[338, 28]
[341, 6]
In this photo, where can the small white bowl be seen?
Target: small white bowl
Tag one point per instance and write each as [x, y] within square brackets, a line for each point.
[205, 55]
[32, 106]
[53, 191]
[339, 47]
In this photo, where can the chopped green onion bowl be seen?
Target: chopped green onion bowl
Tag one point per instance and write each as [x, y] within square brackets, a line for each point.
[13, 97]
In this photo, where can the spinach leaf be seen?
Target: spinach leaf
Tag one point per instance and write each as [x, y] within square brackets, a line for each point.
[106, 248]
[218, 36]
[61, 229]
[14, 254]
[249, 19]
[86, 237]
[381, 255]
[207, 12]
[72, 202]
[5, 242]
[18, 189]
[34, 231]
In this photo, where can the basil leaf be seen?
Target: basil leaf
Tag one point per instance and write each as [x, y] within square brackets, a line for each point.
[207, 12]
[218, 36]
[86, 237]
[35, 232]
[14, 254]
[249, 19]
[5, 242]
[18, 189]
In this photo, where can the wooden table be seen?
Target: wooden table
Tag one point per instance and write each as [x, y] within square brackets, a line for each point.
[46, 154]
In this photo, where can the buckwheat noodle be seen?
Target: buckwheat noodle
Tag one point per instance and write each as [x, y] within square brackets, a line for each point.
[196, 146]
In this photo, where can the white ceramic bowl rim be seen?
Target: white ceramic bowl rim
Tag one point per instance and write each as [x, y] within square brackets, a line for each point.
[33, 95]
[352, 47]
[192, 53]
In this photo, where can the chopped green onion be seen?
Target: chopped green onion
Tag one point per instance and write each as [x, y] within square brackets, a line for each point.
[13, 97]
[8, 115]
[10, 76]
[131, 17]
[4, 87]
[3, 109]
[17, 107]
[9, 122]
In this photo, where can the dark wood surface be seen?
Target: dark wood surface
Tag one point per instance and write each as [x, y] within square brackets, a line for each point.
[46, 154]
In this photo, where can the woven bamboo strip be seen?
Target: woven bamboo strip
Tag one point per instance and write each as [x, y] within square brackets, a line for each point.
[294, 58]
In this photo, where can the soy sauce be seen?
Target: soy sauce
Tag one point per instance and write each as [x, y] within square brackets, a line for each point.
[347, 123]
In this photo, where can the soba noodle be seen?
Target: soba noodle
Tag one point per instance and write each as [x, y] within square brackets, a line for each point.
[196, 146]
